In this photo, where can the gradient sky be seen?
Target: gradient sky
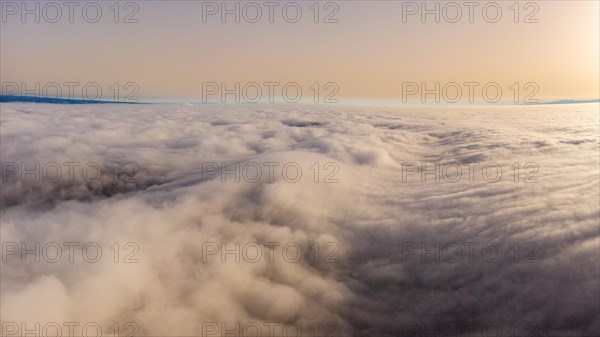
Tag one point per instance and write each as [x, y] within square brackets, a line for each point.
[368, 53]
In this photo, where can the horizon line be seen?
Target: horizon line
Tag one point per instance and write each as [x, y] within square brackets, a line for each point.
[351, 101]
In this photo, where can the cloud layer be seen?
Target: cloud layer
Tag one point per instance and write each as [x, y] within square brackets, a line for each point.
[179, 182]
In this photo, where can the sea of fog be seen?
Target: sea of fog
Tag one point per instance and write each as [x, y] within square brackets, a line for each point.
[284, 220]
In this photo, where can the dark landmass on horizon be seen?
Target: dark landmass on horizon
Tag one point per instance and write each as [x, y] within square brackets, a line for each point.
[55, 100]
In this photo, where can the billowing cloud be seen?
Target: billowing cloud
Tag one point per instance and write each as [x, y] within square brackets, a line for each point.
[305, 217]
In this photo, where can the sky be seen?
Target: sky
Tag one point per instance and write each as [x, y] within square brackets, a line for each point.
[358, 50]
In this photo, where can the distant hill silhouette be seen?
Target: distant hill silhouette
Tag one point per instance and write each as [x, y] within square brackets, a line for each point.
[50, 100]
[572, 101]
